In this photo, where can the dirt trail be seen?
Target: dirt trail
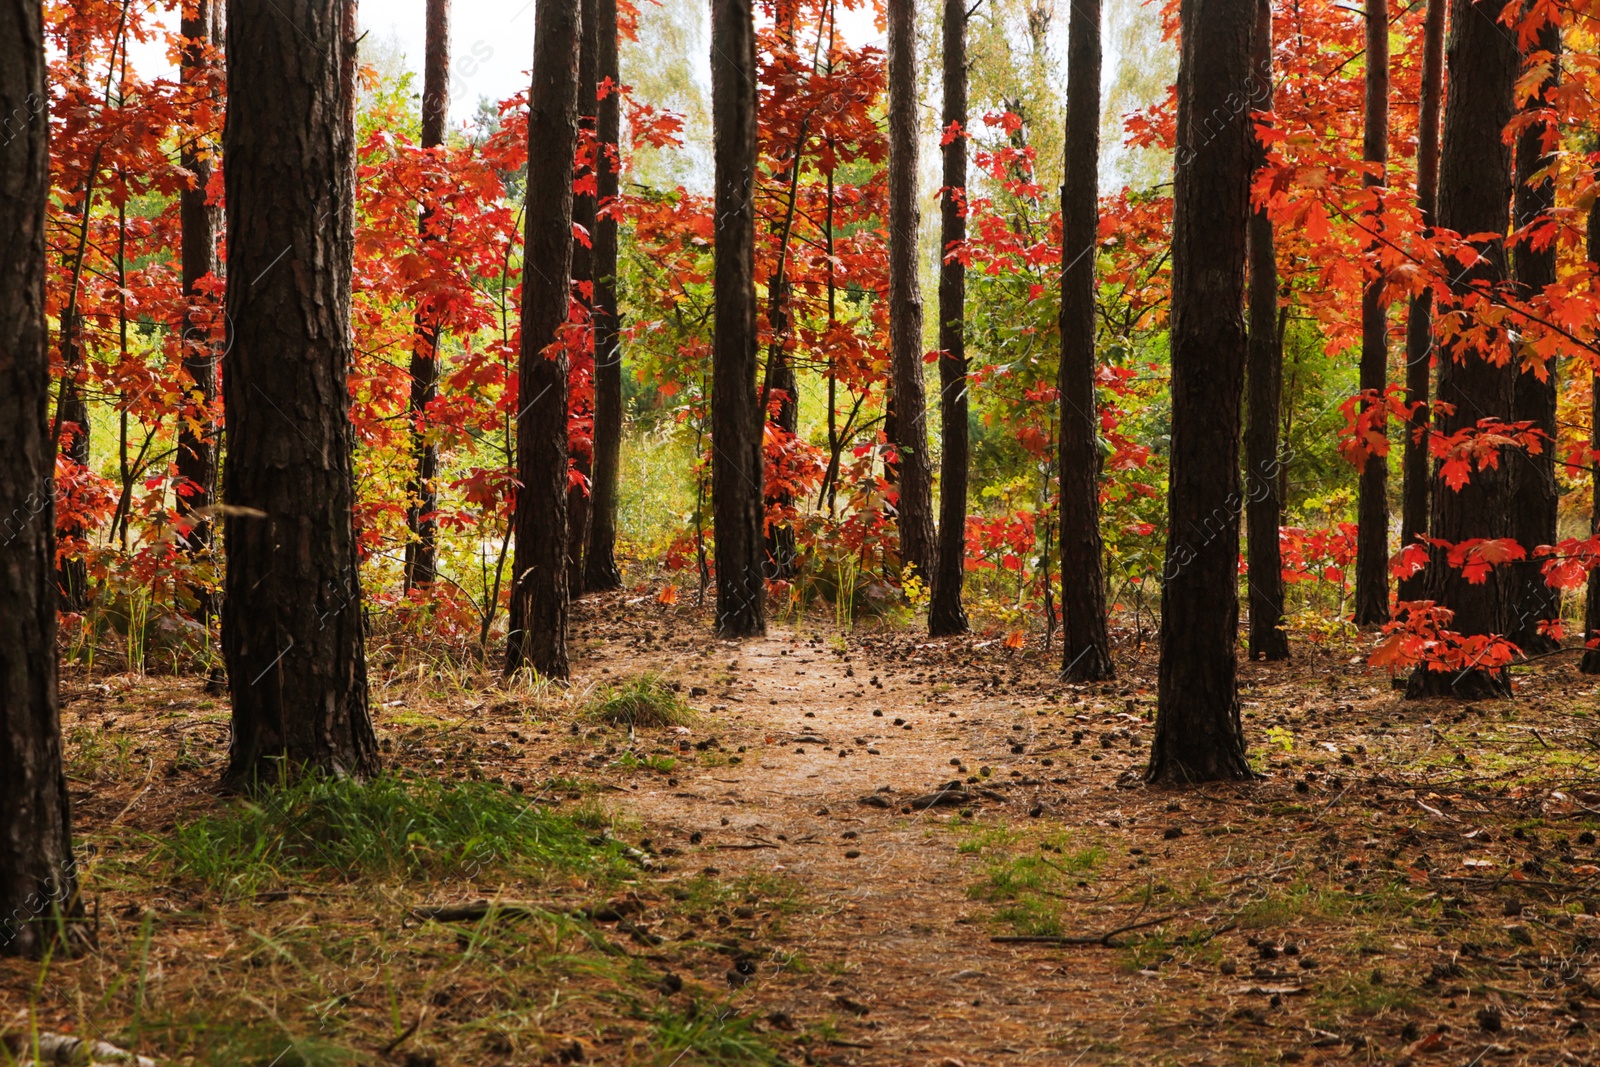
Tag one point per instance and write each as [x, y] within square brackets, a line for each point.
[1368, 900]
[909, 945]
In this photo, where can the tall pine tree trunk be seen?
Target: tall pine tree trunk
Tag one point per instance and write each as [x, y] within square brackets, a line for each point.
[1534, 491]
[1198, 736]
[38, 881]
[909, 435]
[736, 416]
[600, 557]
[70, 429]
[1590, 664]
[539, 594]
[1419, 319]
[1372, 505]
[422, 498]
[1474, 198]
[584, 212]
[197, 431]
[292, 625]
[945, 613]
[1264, 382]
[1085, 647]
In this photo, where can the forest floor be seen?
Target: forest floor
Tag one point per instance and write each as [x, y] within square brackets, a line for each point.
[780, 879]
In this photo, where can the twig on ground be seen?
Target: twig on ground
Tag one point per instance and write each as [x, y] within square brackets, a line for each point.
[1088, 939]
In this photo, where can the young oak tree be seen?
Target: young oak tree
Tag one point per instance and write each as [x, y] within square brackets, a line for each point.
[600, 555]
[1372, 503]
[909, 435]
[1264, 383]
[1474, 199]
[539, 593]
[1198, 735]
[1085, 647]
[1419, 321]
[292, 626]
[422, 498]
[38, 883]
[1534, 603]
[945, 613]
[736, 416]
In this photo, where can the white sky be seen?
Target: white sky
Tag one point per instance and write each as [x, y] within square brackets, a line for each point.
[491, 45]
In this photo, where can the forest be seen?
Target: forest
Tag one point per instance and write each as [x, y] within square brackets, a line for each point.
[842, 532]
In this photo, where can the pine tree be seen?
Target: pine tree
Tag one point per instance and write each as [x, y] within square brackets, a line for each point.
[1264, 383]
[736, 416]
[945, 613]
[1474, 198]
[909, 426]
[539, 593]
[600, 557]
[38, 881]
[1198, 736]
[1419, 318]
[1372, 504]
[292, 626]
[1085, 647]
[422, 499]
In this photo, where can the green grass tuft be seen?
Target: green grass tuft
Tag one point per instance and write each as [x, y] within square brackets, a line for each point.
[642, 702]
[348, 829]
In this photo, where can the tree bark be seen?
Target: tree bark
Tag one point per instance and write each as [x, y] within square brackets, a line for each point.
[1198, 736]
[910, 433]
[1085, 646]
[1419, 319]
[599, 561]
[945, 614]
[1534, 491]
[1372, 505]
[1474, 197]
[197, 430]
[584, 213]
[1264, 381]
[736, 416]
[292, 625]
[422, 498]
[38, 880]
[539, 593]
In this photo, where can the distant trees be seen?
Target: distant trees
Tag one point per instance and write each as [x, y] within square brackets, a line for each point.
[736, 419]
[1198, 736]
[539, 590]
[945, 612]
[292, 627]
[38, 882]
[1085, 646]
[1474, 198]
[908, 422]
